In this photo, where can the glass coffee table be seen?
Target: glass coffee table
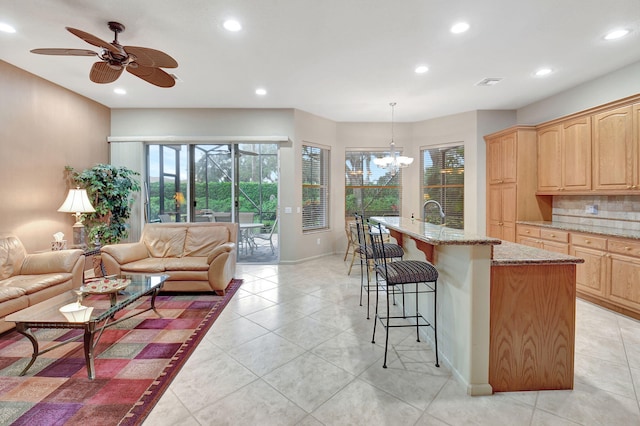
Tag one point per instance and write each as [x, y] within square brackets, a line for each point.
[47, 314]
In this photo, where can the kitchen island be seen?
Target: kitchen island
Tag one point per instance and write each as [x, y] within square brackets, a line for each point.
[482, 319]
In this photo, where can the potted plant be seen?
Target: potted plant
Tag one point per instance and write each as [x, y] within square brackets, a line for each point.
[110, 190]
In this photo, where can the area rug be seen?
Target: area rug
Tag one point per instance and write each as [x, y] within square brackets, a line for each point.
[135, 363]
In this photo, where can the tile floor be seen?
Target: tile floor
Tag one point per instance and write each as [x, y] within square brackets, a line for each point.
[293, 347]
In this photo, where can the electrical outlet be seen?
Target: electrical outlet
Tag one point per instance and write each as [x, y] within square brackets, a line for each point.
[591, 209]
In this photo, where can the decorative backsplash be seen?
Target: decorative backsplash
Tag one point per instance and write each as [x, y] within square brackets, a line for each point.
[614, 211]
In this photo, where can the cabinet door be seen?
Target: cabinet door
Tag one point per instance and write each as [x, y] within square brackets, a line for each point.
[590, 275]
[494, 166]
[528, 241]
[624, 281]
[576, 154]
[509, 212]
[549, 159]
[501, 220]
[613, 149]
[555, 247]
[501, 159]
[509, 158]
[494, 210]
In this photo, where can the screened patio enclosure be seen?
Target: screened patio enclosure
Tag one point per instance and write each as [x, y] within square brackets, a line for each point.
[232, 182]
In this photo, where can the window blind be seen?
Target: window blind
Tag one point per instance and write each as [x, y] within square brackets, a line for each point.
[315, 188]
[443, 181]
[369, 189]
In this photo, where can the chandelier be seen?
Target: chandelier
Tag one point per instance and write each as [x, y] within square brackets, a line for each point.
[393, 162]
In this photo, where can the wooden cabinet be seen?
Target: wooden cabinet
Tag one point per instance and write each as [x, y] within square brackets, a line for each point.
[502, 159]
[624, 273]
[564, 156]
[610, 274]
[590, 275]
[502, 212]
[615, 150]
[543, 238]
[532, 327]
[512, 182]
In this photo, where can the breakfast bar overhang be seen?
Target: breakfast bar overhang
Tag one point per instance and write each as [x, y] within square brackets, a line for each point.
[499, 328]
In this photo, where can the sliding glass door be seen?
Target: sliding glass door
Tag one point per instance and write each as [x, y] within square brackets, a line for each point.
[218, 183]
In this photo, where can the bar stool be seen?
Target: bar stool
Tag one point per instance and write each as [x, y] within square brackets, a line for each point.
[366, 253]
[399, 274]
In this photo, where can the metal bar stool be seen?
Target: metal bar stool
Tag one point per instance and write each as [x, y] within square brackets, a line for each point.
[366, 253]
[399, 274]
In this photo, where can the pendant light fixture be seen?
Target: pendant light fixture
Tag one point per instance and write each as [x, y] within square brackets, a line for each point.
[393, 162]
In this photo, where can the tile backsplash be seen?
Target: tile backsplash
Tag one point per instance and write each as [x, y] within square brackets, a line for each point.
[614, 211]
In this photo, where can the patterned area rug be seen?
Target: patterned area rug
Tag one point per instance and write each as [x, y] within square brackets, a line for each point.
[135, 362]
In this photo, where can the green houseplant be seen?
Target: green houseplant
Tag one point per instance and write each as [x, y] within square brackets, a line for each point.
[110, 190]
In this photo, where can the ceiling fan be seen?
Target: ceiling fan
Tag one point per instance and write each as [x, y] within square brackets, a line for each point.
[142, 62]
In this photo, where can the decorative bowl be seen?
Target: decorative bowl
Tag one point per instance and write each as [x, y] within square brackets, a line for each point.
[105, 285]
[75, 312]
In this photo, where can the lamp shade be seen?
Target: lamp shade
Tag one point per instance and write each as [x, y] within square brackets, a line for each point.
[77, 202]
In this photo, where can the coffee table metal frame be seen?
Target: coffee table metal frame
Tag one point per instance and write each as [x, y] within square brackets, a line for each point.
[99, 321]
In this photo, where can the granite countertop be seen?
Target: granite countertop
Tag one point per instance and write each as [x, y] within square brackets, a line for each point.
[509, 253]
[434, 234]
[588, 229]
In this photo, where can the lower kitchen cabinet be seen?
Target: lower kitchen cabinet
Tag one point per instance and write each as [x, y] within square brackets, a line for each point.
[610, 274]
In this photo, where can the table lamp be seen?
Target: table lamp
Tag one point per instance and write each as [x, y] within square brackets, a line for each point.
[77, 202]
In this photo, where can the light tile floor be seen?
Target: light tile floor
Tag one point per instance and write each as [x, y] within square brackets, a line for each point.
[293, 347]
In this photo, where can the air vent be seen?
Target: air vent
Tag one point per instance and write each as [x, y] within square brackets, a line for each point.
[491, 81]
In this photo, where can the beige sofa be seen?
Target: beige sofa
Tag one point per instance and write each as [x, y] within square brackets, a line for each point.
[27, 279]
[196, 256]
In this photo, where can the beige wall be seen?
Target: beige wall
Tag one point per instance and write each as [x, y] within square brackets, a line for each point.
[43, 128]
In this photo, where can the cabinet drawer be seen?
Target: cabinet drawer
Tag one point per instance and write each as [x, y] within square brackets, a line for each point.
[586, 240]
[628, 247]
[529, 231]
[554, 235]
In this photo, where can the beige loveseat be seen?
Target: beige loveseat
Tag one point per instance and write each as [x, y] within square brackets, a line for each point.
[27, 279]
[196, 256]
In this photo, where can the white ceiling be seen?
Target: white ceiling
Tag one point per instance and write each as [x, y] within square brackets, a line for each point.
[340, 59]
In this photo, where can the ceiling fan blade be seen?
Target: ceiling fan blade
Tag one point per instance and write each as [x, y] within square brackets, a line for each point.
[66, 52]
[152, 75]
[151, 57]
[102, 73]
[91, 39]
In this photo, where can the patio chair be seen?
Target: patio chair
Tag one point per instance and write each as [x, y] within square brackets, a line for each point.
[269, 236]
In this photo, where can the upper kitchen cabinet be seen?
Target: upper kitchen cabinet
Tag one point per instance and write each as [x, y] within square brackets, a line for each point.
[501, 158]
[615, 150]
[564, 156]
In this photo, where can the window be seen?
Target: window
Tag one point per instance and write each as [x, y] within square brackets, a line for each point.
[369, 189]
[315, 188]
[443, 181]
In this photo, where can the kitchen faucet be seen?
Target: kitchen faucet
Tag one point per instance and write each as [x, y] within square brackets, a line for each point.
[424, 210]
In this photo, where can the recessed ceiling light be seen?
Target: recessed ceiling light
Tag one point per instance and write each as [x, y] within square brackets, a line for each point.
[261, 92]
[460, 27]
[6, 28]
[543, 72]
[616, 34]
[119, 91]
[421, 69]
[232, 25]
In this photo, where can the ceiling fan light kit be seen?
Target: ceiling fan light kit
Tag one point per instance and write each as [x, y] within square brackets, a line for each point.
[143, 62]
